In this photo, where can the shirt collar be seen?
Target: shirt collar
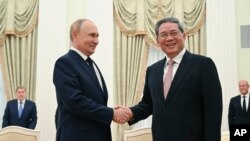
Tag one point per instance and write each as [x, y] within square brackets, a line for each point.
[20, 101]
[79, 52]
[246, 95]
[177, 59]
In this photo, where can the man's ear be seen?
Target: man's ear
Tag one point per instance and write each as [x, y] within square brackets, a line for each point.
[184, 35]
[157, 41]
[74, 34]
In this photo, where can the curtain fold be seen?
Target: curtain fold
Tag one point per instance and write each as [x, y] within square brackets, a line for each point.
[18, 42]
[19, 64]
[17, 17]
[130, 66]
[138, 17]
[196, 43]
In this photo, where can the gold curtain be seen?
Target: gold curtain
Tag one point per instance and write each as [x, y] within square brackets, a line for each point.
[18, 41]
[138, 17]
[130, 61]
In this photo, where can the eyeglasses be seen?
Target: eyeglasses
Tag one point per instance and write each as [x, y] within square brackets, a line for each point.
[243, 85]
[171, 34]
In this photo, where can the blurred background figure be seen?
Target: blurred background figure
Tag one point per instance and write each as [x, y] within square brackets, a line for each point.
[20, 111]
[239, 106]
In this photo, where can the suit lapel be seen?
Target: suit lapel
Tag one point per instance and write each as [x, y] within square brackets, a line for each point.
[248, 105]
[105, 91]
[16, 108]
[248, 110]
[158, 80]
[86, 68]
[24, 108]
[238, 104]
[184, 66]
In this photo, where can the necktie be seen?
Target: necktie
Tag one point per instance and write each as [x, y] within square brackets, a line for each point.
[20, 109]
[90, 62]
[168, 78]
[244, 104]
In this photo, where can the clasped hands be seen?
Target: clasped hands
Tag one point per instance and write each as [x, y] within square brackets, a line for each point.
[122, 114]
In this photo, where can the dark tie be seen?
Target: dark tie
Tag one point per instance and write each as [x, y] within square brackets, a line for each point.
[168, 78]
[244, 104]
[90, 62]
[91, 65]
[20, 109]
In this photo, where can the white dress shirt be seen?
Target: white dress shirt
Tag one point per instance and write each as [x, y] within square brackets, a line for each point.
[18, 104]
[177, 59]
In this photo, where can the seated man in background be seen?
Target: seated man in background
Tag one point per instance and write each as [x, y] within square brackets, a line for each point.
[20, 111]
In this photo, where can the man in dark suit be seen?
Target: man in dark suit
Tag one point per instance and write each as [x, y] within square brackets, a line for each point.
[20, 111]
[239, 113]
[191, 110]
[82, 112]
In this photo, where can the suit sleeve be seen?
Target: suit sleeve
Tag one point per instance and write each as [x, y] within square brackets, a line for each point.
[6, 117]
[231, 113]
[33, 118]
[144, 108]
[212, 101]
[72, 94]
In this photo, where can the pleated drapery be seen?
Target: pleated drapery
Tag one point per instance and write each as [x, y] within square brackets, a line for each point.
[18, 42]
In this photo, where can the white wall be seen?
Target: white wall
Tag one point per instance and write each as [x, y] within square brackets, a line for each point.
[242, 18]
[101, 12]
[55, 17]
[51, 44]
[221, 47]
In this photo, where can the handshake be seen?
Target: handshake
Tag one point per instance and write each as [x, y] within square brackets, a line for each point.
[122, 114]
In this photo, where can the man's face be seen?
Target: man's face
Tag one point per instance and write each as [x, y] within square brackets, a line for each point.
[170, 39]
[86, 39]
[243, 87]
[21, 94]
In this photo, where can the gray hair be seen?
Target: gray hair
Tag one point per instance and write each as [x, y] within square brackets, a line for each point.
[75, 26]
[168, 20]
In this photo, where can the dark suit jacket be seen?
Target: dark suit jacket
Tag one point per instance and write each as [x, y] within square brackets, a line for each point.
[28, 118]
[235, 114]
[82, 112]
[192, 110]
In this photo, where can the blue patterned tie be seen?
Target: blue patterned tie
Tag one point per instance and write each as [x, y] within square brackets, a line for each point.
[20, 109]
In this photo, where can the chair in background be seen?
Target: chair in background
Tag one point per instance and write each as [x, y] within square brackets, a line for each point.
[16, 133]
[142, 134]
[225, 136]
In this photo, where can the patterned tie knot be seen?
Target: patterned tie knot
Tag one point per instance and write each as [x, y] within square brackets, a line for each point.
[89, 60]
[171, 62]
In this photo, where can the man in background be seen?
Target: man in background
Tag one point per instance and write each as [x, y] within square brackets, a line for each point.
[239, 112]
[20, 111]
[82, 112]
